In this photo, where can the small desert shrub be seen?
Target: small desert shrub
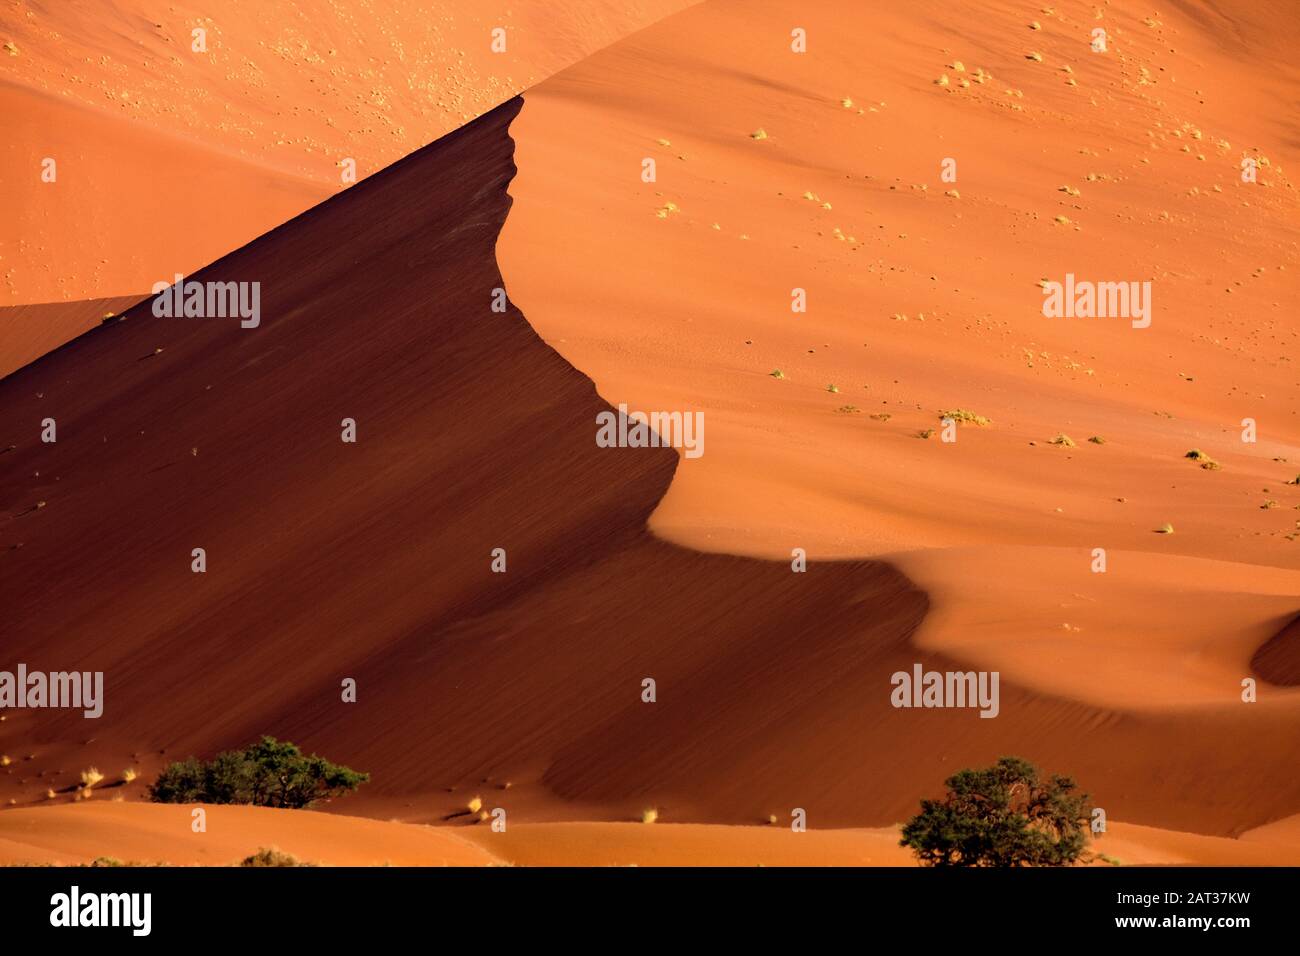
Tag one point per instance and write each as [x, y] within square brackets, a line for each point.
[1268, 503]
[269, 773]
[475, 805]
[91, 777]
[848, 409]
[833, 389]
[649, 815]
[129, 775]
[1205, 460]
[777, 373]
[271, 856]
[1165, 528]
[882, 416]
[1062, 439]
[964, 416]
[925, 433]
[1097, 440]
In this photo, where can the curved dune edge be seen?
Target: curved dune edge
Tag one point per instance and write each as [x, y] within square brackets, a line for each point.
[373, 561]
[676, 294]
[154, 833]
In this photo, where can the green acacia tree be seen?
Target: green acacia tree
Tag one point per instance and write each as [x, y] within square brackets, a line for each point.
[1003, 815]
[268, 773]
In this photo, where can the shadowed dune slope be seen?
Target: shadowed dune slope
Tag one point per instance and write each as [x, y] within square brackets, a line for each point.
[327, 560]
[29, 331]
[1278, 658]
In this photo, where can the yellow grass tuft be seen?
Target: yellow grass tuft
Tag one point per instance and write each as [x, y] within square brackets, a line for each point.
[649, 815]
[475, 805]
[90, 777]
[964, 416]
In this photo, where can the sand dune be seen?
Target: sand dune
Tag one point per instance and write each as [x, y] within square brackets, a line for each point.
[372, 560]
[150, 834]
[923, 296]
[327, 560]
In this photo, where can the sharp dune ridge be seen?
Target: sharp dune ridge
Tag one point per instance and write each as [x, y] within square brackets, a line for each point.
[324, 564]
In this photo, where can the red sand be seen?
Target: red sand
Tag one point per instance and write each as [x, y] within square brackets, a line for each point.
[329, 560]
[920, 302]
[29, 331]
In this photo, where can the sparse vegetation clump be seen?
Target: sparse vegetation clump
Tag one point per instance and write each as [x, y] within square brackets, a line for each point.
[776, 373]
[649, 815]
[269, 773]
[1062, 439]
[1203, 459]
[1165, 528]
[1001, 816]
[1097, 440]
[271, 856]
[965, 416]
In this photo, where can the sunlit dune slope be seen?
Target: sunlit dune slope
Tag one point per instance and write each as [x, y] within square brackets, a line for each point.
[785, 178]
[155, 833]
[172, 148]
